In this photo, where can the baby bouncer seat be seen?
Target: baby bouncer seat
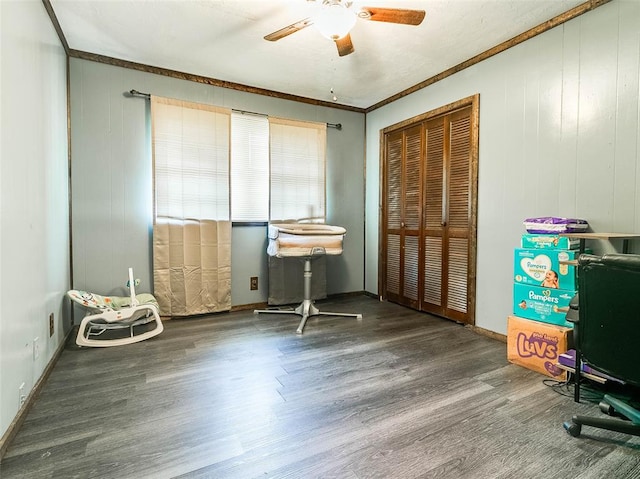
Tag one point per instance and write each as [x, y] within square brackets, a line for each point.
[109, 313]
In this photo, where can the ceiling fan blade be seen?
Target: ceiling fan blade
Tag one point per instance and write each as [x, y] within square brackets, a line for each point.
[293, 28]
[344, 45]
[392, 15]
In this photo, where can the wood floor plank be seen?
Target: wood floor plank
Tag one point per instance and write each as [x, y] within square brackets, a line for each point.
[399, 394]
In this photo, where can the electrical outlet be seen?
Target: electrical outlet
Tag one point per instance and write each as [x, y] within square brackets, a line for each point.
[22, 397]
[254, 283]
[51, 324]
[36, 348]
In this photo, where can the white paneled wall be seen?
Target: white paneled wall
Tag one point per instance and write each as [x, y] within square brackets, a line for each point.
[34, 224]
[559, 136]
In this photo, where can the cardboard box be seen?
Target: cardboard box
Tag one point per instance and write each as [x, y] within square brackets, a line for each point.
[550, 241]
[547, 305]
[537, 346]
[542, 267]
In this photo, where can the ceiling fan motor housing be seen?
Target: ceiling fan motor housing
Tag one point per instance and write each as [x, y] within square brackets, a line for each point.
[334, 19]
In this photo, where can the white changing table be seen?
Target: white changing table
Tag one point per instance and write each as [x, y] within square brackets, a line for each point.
[306, 241]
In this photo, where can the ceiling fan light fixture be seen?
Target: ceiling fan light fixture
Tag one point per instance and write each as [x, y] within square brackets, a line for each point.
[334, 19]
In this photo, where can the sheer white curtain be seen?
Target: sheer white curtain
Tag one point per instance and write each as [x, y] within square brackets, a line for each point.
[192, 231]
[297, 151]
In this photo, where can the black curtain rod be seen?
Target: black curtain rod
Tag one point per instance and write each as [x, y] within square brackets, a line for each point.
[337, 126]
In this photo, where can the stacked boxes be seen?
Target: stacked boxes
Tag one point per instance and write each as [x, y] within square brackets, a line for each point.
[543, 282]
[542, 289]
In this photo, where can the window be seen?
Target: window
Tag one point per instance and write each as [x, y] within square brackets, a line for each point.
[210, 163]
[249, 168]
[191, 159]
[297, 170]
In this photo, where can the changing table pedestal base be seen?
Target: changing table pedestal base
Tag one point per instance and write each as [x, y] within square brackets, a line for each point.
[306, 309]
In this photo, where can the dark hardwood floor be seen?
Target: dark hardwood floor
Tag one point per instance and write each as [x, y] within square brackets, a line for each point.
[398, 394]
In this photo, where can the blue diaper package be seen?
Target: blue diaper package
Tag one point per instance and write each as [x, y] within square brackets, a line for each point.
[548, 241]
[545, 267]
[546, 305]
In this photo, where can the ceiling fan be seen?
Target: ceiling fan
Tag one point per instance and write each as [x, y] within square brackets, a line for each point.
[335, 18]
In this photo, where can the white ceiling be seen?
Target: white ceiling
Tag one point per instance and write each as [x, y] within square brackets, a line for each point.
[223, 39]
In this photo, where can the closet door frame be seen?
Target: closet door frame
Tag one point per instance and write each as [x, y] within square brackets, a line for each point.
[473, 102]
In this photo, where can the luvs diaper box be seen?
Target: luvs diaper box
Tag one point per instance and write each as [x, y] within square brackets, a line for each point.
[536, 345]
[545, 267]
[548, 305]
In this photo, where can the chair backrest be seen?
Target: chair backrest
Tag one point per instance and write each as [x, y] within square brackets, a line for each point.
[609, 314]
[93, 302]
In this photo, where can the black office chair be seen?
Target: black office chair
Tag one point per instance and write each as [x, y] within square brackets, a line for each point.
[608, 336]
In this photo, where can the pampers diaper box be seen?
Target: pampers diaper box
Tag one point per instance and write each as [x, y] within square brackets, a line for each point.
[547, 305]
[537, 346]
[544, 267]
[548, 241]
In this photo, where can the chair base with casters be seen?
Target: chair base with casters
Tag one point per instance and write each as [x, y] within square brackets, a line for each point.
[629, 422]
[305, 241]
[137, 315]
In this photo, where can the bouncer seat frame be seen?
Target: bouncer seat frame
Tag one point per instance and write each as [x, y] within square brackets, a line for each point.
[116, 312]
[306, 242]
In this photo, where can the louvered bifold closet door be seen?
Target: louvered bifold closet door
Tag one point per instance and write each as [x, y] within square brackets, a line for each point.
[447, 213]
[458, 214]
[412, 212]
[434, 216]
[393, 215]
[402, 216]
[428, 215]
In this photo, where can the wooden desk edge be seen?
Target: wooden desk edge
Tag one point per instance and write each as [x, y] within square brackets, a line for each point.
[601, 235]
